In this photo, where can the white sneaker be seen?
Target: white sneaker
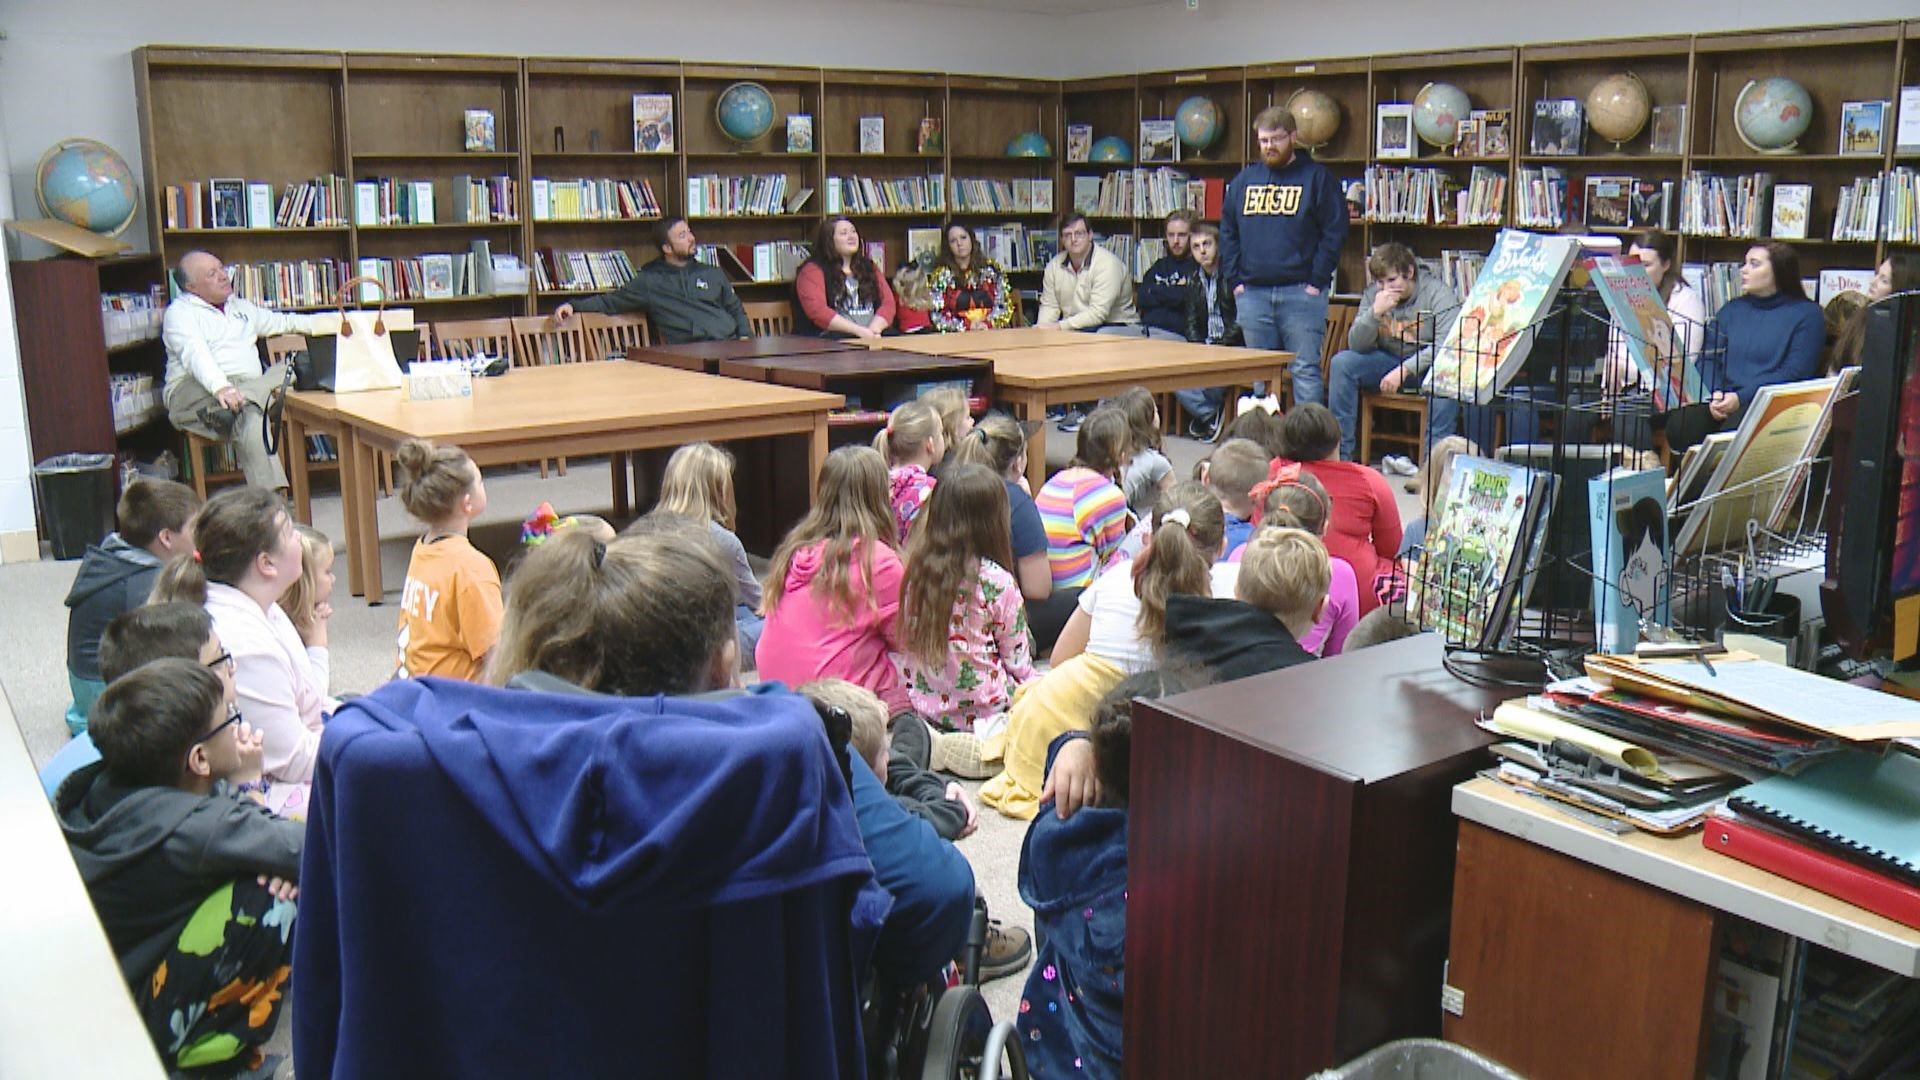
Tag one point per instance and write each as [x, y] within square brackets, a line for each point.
[1399, 466]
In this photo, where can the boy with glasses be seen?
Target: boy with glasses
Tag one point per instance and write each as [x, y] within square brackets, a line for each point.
[193, 882]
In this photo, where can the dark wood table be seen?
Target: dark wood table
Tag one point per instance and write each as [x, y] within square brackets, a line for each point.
[706, 356]
[1290, 862]
[820, 370]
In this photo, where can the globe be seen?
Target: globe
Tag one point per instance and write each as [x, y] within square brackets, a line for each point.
[1110, 150]
[1437, 111]
[1197, 122]
[744, 111]
[1029, 144]
[1618, 107]
[1316, 118]
[85, 183]
[1771, 114]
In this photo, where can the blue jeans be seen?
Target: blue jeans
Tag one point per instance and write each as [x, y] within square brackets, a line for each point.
[749, 626]
[1352, 372]
[1202, 404]
[1287, 317]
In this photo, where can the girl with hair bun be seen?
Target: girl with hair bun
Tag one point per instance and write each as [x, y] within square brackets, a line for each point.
[913, 443]
[450, 608]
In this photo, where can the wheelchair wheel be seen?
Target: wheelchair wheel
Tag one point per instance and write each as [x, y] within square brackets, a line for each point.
[959, 1036]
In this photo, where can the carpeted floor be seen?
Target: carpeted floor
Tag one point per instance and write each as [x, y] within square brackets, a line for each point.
[33, 671]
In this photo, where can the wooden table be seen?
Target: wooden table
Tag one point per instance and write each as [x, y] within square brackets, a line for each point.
[1553, 918]
[567, 410]
[1290, 862]
[1096, 366]
[976, 342]
[706, 356]
[836, 371]
[308, 412]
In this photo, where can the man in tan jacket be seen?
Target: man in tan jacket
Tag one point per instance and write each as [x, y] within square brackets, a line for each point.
[1086, 287]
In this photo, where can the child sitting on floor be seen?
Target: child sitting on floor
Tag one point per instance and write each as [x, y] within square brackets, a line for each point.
[833, 591]
[117, 574]
[1296, 499]
[1280, 592]
[914, 313]
[451, 608]
[956, 416]
[698, 486]
[1232, 472]
[924, 794]
[309, 604]
[1148, 474]
[193, 884]
[912, 444]
[1082, 506]
[1364, 527]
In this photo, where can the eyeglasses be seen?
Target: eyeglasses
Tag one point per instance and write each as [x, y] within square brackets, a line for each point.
[222, 663]
[233, 717]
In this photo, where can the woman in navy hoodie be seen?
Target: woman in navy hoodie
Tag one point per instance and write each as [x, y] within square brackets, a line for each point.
[1772, 333]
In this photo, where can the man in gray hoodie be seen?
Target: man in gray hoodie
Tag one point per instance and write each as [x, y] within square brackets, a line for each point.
[1402, 314]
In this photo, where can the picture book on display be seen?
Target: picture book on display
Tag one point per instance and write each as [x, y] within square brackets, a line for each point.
[1776, 435]
[229, 202]
[653, 123]
[1393, 130]
[1650, 206]
[1486, 344]
[1557, 126]
[1609, 202]
[1079, 143]
[1494, 127]
[1631, 577]
[1669, 129]
[873, 134]
[1480, 548]
[1906, 138]
[1836, 281]
[1791, 203]
[799, 133]
[1158, 141]
[479, 131]
[930, 139]
[1862, 123]
[1656, 346]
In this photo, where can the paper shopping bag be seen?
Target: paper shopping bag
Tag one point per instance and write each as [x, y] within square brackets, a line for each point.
[351, 351]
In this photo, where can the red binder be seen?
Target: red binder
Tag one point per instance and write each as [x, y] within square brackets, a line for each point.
[1832, 874]
[1216, 197]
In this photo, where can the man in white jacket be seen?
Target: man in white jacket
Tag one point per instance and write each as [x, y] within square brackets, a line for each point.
[1085, 287]
[215, 386]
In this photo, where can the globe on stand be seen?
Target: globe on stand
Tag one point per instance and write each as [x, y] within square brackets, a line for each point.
[744, 112]
[86, 184]
[1771, 114]
[1197, 122]
[1618, 107]
[1029, 144]
[1316, 118]
[1110, 150]
[1437, 111]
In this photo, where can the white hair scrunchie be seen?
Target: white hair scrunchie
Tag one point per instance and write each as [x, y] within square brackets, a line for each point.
[1178, 517]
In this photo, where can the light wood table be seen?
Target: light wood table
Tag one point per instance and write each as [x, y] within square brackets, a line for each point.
[567, 410]
[978, 341]
[1095, 366]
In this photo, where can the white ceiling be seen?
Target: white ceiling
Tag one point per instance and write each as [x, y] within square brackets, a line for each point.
[1045, 7]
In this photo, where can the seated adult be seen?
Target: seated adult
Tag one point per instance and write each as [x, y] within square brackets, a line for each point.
[1213, 318]
[1402, 314]
[684, 298]
[970, 291]
[1364, 527]
[214, 385]
[841, 292]
[1773, 334]
[1161, 295]
[1086, 287]
[1897, 273]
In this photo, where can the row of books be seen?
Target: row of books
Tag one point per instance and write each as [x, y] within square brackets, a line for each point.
[602, 199]
[745, 195]
[250, 204]
[1879, 207]
[1540, 197]
[129, 317]
[887, 195]
[1620, 203]
[1016, 247]
[1722, 206]
[1458, 268]
[1423, 196]
[290, 283]
[134, 400]
[438, 276]
[580, 271]
[769, 260]
[485, 198]
[385, 201]
[1147, 193]
[983, 196]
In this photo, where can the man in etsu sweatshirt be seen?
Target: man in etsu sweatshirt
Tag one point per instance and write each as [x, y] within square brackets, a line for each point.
[1280, 236]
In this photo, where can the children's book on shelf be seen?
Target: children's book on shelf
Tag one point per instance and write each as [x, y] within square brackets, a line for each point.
[1086, 194]
[1656, 346]
[1489, 341]
[1467, 139]
[1495, 126]
[930, 139]
[1790, 205]
[1631, 575]
[259, 205]
[478, 124]
[1159, 141]
[923, 242]
[1651, 206]
[1836, 281]
[1862, 123]
[799, 133]
[1609, 202]
[1079, 143]
[1393, 130]
[1906, 138]
[1669, 129]
[229, 203]
[1557, 127]
[1479, 550]
[877, 251]
[1355, 192]
[873, 134]
[653, 123]
[437, 275]
[1043, 196]
[1774, 437]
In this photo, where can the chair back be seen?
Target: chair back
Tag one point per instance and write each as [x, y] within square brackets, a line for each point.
[1340, 315]
[538, 340]
[769, 317]
[464, 339]
[608, 335]
[282, 346]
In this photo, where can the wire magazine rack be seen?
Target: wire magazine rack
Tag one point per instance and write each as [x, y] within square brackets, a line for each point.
[1515, 587]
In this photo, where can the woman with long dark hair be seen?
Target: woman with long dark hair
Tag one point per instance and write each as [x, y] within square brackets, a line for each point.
[841, 291]
[969, 290]
[1772, 332]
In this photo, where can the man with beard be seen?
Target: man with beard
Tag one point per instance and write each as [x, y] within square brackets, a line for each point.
[685, 300]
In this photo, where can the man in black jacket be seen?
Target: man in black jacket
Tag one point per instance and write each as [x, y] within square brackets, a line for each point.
[1162, 294]
[685, 300]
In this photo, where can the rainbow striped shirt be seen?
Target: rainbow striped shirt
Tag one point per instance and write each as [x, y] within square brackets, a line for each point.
[1085, 516]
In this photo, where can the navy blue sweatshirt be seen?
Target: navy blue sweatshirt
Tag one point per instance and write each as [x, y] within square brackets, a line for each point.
[1161, 296]
[1770, 340]
[1283, 226]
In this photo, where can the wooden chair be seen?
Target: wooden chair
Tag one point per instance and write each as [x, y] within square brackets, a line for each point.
[608, 335]
[768, 317]
[464, 339]
[539, 341]
[278, 348]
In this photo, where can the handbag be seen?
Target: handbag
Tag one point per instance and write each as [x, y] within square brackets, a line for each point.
[361, 351]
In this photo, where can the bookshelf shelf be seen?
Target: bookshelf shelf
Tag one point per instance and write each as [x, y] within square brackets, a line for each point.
[752, 217]
[438, 155]
[314, 230]
[1872, 161]
[747, 155]
[605, 155]
[1601, 159]
[931, 159]
[569, 222]
[440, 226]
[1000, 159]
[131, 346]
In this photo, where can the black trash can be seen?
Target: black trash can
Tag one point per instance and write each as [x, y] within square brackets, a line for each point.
[76, 501]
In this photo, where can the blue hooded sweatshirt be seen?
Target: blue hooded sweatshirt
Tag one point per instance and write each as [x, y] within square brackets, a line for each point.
[514, 883]
[1283, 226]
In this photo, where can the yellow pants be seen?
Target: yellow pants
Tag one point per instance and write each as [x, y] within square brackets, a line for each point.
[1060, 701]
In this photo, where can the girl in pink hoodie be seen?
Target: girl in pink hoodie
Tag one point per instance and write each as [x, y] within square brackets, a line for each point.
[833, 592]
[913, 442]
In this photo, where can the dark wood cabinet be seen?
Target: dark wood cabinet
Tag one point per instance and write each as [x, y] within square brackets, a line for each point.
[1290, 863]
[65, 363]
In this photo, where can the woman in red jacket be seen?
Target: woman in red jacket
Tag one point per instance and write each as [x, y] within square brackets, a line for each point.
[841, 291]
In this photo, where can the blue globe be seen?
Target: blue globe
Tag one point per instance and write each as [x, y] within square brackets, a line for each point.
[1197, 120]
[744, 111]
[84, 183]
[1110, 150]
[1029, 144]
[1437, 111]
[1772, 113]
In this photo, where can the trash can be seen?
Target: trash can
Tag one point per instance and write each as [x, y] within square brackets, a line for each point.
[1419, 1059]
[75, 492]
